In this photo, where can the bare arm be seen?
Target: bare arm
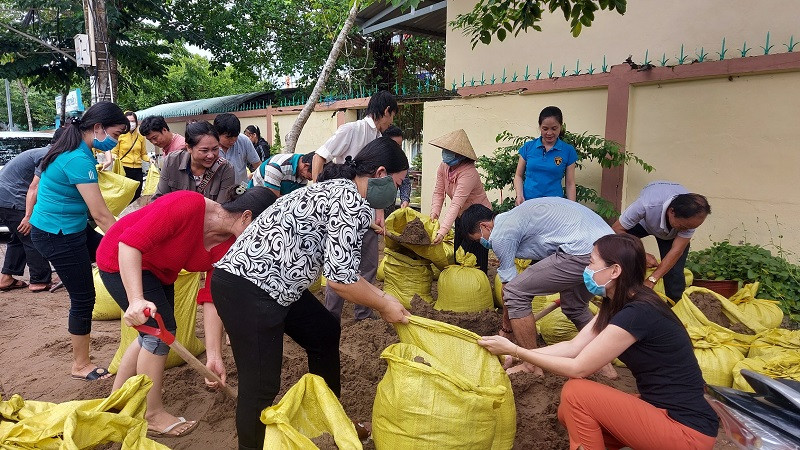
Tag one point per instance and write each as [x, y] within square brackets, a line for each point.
[317, 165]
[364, 293]
[618, 228]
[97, 206]
[674, 254]
[569, 182]
[130, 270]
[519, 181]
[30, 200]
[212, 325]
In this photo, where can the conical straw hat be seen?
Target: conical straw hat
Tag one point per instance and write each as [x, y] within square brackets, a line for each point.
[456, 142]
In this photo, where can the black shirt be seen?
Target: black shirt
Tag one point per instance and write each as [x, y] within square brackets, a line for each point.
[662, 361]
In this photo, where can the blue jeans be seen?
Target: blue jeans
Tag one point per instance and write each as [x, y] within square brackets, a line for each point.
[69, 255]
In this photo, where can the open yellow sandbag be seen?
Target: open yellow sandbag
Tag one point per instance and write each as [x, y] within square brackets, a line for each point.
[765, 312]
[784, 364]
[458, 351]
[307, 410]
[117, 190]
[691, 316]
[186, 287]
[776, 340]
[405, 276]
[659, 286]
[717, 351]
[555, 327]
[151, 181]
[105, 308]
[464, 287]
[497, 289]
[79, 424]
[442, 254]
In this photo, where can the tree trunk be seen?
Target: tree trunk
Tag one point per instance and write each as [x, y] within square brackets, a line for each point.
[24, 90]
[302, 118]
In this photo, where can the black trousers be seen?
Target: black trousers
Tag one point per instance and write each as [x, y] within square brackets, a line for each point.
[462, 240]
[135, 173]
[20, 250]
[256, 323]
[674, 281]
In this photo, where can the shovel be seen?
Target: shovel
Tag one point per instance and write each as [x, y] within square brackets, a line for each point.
[169, 339]
[547, 309]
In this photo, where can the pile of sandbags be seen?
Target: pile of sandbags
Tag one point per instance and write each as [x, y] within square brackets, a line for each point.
[407, 275]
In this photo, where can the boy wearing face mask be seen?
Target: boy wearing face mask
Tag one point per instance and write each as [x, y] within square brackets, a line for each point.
[131, 151]
[459, 179]
[559, 234]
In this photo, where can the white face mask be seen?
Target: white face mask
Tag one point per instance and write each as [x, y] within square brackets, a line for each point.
[133, 125]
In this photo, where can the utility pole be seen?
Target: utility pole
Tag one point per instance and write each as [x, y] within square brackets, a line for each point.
[104, 79]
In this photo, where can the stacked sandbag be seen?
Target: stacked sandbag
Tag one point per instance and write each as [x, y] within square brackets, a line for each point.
[442, 390]
[777, 340]
[497, 289]
[765, 312]
[186, 287]
[555, 327]
[105, 308]
[776, 365]
[308, 410]
[406, 276]
[464, 287]
[691, 316]
[407, 228]
[717, 352]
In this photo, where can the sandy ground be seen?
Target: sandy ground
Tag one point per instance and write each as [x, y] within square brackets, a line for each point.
[35, 363]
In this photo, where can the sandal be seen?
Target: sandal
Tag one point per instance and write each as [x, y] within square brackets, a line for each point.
[96, 374]
[16, 284]
[46, 288]
[169, 431]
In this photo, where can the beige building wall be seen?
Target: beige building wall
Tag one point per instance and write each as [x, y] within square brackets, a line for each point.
[734, 142]
[483, 118]
[655, 25]
[320, 126]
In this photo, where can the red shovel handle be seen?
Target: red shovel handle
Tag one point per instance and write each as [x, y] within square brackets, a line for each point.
[161, 332]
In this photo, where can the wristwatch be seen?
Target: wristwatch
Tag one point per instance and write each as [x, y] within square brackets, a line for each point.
[652, 279]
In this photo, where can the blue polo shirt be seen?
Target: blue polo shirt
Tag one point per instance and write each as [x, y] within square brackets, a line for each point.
[544, 170]
[59, 206]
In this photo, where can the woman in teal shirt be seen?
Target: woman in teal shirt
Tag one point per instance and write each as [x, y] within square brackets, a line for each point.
[544, 162]
[67, 190]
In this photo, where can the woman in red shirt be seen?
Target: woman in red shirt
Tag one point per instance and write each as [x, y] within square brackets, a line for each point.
[139, 260]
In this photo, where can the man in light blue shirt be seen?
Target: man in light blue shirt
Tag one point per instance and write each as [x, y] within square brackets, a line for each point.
[556, 232]
[235, 147]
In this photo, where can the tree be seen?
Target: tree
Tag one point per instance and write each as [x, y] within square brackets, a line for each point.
[500, 17]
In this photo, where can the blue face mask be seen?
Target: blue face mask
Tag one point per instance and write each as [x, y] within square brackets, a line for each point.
[591, 285]
[106, 144]
[485, 243]
[450, 158]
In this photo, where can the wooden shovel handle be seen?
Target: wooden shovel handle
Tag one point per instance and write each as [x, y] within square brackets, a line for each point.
[547, 309]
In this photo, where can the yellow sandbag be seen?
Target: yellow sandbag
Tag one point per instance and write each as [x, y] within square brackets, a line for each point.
[497, 288]
[464, 287]
[105, 308]
[776, 340]
[306, 411]
[186, 287]
[442, 254]
[436, 271]
[381, 275]
[717, 352]
[406, 276]
[659, 287]
[151, 182]
[691, 316]
[457, 349]
[117, 168]
[765, 312]
[317, 285]
[79, 424]
[785, 364]
[117, 190]
[555, 327]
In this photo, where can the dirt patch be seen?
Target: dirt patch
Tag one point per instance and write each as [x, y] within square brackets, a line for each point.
[483, 323]
[414, 233]
[712, 309]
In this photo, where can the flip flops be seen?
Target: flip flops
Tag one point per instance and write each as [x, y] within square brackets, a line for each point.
[95, 374]
[168, 432]
[46, 288]
[16, 284]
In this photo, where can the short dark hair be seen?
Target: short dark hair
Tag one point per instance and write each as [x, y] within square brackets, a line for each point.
[473, 216]
[227, 124]
[195, 131]
[254, 130]
[378, 104]
[57, 134]
[393, 131]
[308, 158]
[685, 206]
[383, 151]
[152, 123]
[551, 111]
[255, 200]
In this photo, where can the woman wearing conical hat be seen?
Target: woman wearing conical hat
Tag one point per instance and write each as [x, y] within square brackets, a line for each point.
[459, 179]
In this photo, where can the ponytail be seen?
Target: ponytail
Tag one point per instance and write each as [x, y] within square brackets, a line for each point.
[382, 152]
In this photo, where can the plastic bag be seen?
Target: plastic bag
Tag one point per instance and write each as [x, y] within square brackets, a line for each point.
[777, 365]
[306, 411]
[464, 287]
[405, 276]
[186, 287]
[105, 308]
[555, 327]
[717, 351]
[442, 254]
[151, 182]
[462, 365]
[765, 312]
[80, 424]
[775, 341]
[497, 288]
[691, 316]
[117, 190]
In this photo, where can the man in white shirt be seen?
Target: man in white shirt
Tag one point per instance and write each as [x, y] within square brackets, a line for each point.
[349, 139]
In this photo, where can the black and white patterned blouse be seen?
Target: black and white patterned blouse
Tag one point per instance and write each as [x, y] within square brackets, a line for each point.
[317, 228]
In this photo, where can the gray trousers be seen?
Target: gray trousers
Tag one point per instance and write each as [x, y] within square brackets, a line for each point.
[560, 272]
[368, 270]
